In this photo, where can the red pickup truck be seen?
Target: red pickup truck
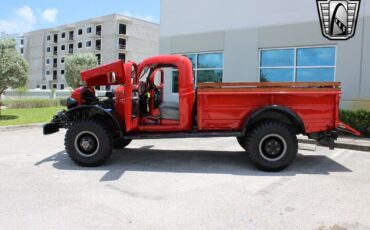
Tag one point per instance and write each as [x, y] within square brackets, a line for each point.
[264, 117]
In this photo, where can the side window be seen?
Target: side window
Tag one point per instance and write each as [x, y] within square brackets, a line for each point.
[310, 64]
[207, 67]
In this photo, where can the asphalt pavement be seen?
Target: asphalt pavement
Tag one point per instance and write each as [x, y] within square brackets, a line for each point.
[178, 184]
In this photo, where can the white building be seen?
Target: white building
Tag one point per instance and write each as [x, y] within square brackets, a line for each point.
[250, 41]
[109, 37]
[18, 38]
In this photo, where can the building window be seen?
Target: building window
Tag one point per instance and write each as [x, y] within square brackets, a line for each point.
[48, 49]
[55, 86]
[43, 87]
[48, 38]
[22, 50]
[22, 41]
[71, 35]
[80, 31]
[306, 64]
[70, 48]
[122, 44]
[79, 45]
[122, 29]
[55, 62]
[62, 47]
[55, 38]
[37, 86]
[63, 35]
[55, 75]
[61, 86]
[88, 44]
[88, 30]
[48, 61]
[62, 60]
[55, 50]
[98, 44]
[122, 56]
[47, 72]
[98, 30]
[208, 67]
[62, 72]
[98, 56]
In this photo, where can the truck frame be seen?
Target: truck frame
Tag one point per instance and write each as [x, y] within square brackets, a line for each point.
[264, 117]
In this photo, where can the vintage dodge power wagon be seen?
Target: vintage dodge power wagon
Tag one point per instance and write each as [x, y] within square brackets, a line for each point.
[264, 117]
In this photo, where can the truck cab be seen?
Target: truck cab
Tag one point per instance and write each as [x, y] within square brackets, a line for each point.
[265, 118]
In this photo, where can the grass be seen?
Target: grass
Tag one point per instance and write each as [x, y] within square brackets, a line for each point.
[27, 116]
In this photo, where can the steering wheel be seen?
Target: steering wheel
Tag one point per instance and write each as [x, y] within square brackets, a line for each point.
[157, 96]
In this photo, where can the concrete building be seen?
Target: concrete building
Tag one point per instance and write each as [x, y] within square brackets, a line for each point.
[250, 41]
[18, 38]
[109, 37]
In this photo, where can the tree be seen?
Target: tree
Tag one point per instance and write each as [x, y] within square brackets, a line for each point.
[13, 67]
[76, 63]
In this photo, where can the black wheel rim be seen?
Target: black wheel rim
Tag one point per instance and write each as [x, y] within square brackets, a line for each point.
[87, 144]
[273, 147]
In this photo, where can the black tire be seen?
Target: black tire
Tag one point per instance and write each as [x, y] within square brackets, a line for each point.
[88, 143]
[121, 144]
[272, 146]
[242, 142]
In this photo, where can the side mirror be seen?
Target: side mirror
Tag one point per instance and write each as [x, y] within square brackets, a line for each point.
[112, 78]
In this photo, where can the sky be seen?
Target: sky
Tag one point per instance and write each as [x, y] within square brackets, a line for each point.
[20, 16]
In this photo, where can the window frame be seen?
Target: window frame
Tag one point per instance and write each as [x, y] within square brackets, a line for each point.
[196, 69]
[295, 67]
[88, 41]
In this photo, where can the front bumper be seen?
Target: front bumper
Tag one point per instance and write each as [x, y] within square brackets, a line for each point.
[59, 121]
[51, 128]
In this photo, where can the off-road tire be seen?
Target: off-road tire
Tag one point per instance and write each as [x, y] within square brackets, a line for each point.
[104, 139]
[257, 143]
[121, 144]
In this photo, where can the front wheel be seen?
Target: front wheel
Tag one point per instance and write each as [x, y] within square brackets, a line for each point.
[88, 143]
[272, 146]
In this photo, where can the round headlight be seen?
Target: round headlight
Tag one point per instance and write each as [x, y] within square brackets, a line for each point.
[71, 103]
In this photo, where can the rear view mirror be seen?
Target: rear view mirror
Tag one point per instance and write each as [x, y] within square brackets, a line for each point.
[112, 78]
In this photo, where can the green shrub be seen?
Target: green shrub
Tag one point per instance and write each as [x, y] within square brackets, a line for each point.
[359, 120]
[63, 102]
[32, 103]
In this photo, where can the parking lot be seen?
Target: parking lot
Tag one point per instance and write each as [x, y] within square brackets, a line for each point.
[178, 184]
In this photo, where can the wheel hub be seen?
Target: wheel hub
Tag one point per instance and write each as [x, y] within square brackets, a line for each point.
[272, 147]
[87, 144]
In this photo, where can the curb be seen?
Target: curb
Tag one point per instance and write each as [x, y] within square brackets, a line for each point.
[20, 127]
[340, 145]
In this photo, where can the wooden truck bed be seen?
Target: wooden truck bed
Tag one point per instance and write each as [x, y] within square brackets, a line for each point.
[225, 106]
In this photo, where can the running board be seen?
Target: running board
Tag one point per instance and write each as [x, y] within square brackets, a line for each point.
[174, 135]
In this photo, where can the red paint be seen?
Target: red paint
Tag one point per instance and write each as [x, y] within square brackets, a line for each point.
[222, 107]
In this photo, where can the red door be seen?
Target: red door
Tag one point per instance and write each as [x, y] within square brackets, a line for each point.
[131, 97]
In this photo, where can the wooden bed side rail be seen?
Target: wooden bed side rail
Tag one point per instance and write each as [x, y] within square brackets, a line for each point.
[335, 85]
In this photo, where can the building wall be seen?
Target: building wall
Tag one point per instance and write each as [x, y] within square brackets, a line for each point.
[18, 38]
[244, 27]
[142, 41]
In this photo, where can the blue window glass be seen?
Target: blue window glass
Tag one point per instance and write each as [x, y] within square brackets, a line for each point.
[211, 60]
[192, 57]
[324, 56]
[209, 76]
[277, 75]
[315, 75]
[276, 58]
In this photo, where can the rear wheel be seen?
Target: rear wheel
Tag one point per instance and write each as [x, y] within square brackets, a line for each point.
[88, 143]
[272, 146]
